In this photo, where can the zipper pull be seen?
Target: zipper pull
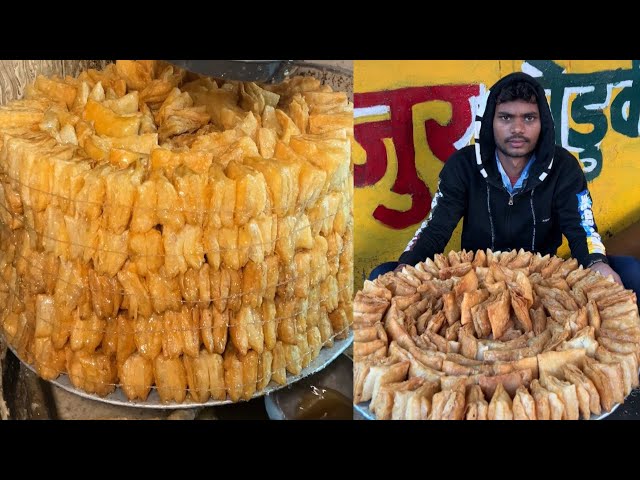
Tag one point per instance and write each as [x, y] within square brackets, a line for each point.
[511, 200]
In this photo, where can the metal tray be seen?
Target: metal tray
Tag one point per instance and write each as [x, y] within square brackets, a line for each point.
[326, 356]
[242, 70]
[363, 409]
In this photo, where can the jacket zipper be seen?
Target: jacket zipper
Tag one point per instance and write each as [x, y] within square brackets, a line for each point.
[508, 219]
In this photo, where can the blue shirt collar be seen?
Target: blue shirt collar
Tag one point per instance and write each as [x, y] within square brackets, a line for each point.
[523, 176]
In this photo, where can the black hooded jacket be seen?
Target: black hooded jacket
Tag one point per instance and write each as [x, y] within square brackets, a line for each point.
[555, 199]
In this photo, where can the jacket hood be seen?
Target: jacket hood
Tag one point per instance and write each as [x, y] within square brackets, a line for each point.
[485, 145]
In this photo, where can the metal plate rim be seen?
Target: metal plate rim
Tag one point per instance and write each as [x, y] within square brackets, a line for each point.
[363, 409]
[326, 356]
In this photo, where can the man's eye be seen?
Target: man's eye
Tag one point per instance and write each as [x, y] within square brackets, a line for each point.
[504, 117]
[530, 118]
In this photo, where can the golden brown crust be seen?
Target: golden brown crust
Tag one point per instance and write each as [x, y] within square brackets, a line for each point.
[517, 328]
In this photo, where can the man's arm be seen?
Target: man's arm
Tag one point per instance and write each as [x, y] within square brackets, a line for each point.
[575, 214]
[447, 208]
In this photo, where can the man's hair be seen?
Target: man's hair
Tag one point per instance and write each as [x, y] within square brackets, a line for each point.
[517, 91]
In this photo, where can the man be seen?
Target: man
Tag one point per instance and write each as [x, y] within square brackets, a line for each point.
[515, 188]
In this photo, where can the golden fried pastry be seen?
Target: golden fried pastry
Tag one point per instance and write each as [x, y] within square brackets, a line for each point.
[380, 375]
[391, 393]
[524, 406]
[602, 384]
[588, 397]
[477, 407]
[551, 362]
[500, 407]
[515, 327]
[447, 405]
[566, 392]
[202, 226]
[136, 375]
[628, 362]
[171, 378]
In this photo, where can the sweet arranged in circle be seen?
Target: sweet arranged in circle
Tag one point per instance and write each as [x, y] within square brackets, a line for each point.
[494, 335]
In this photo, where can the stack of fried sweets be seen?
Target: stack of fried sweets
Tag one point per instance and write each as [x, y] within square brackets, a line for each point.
[163, 230]
[497, 336]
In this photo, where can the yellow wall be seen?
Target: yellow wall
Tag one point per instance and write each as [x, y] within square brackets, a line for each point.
[607, 136]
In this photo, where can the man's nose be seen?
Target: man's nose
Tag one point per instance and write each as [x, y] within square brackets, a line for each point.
[517, 126]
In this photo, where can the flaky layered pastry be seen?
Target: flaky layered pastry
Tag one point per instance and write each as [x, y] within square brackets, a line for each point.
[161, 230]
[497, 335]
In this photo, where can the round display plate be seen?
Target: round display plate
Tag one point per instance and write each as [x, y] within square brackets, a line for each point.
[326, 356]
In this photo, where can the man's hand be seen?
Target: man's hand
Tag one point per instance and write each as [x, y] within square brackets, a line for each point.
[605, 270]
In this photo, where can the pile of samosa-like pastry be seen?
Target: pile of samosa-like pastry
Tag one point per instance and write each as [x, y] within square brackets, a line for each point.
[494, 335]
[164, 230]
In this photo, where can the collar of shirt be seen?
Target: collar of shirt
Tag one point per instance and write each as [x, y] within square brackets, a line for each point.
[523, 176]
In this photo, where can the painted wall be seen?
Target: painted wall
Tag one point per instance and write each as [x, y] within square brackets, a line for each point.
[410, 116]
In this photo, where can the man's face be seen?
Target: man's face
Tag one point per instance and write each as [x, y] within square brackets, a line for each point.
[516, 128]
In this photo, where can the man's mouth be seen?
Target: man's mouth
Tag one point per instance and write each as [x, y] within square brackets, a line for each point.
[516, 142]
